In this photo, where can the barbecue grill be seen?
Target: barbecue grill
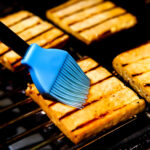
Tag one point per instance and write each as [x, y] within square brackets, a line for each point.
[23, 125]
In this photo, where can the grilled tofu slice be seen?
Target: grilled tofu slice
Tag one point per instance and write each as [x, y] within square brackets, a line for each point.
[134, 67]
[91, 20]
[109, 102]
[33, 30]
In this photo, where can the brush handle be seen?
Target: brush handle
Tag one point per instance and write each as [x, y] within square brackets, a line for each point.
[12, 40]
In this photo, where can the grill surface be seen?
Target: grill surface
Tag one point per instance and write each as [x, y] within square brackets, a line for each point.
[23, 125]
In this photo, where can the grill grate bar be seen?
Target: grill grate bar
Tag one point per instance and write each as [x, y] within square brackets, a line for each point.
[20, 118]
[28, 132]
[28, 100]
[48, 141]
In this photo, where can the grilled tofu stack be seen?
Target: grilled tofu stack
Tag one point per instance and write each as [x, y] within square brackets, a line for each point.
[134, 67]
[91, 20]
[32, 29]
[109, 102]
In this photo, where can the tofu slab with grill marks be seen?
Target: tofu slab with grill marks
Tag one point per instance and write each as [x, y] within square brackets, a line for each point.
[91, 20]
[109, 102]
[134, 67]
[32, 29]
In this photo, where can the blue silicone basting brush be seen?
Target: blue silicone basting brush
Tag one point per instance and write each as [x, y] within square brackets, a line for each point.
[54, 72]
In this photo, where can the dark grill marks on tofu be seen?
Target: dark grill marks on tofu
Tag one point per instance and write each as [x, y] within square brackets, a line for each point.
[18, 20]
[126, 64]
[137, 74]
[134, 66]
[123, 65]
[93, 68]
[78, 20]
[147, 84]
[25, 23]
[106, 15]
[101, 22]
[92, 14]
[31, 28]
[69, 113]
[60, 36]
[83, 7]
[102, 80]
[57, 42]
[3, 53]
[134, 62]
[18, 60]
[84, 124]
[53, 103]
[95, 119]
[76, 109]
[22, 19]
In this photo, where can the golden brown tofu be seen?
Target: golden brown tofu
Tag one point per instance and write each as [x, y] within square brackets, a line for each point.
[32, 29]
[91, 20]
[134, 67]
[109, 102]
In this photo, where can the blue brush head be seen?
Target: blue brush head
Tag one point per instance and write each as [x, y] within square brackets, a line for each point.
[55, 73]
[72, 85]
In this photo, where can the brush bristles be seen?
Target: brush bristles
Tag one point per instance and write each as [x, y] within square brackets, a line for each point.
[72, 85]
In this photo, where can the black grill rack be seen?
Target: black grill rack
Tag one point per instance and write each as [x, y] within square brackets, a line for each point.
[23, 125]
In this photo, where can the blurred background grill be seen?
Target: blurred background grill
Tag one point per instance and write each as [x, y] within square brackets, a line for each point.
[23, 125]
